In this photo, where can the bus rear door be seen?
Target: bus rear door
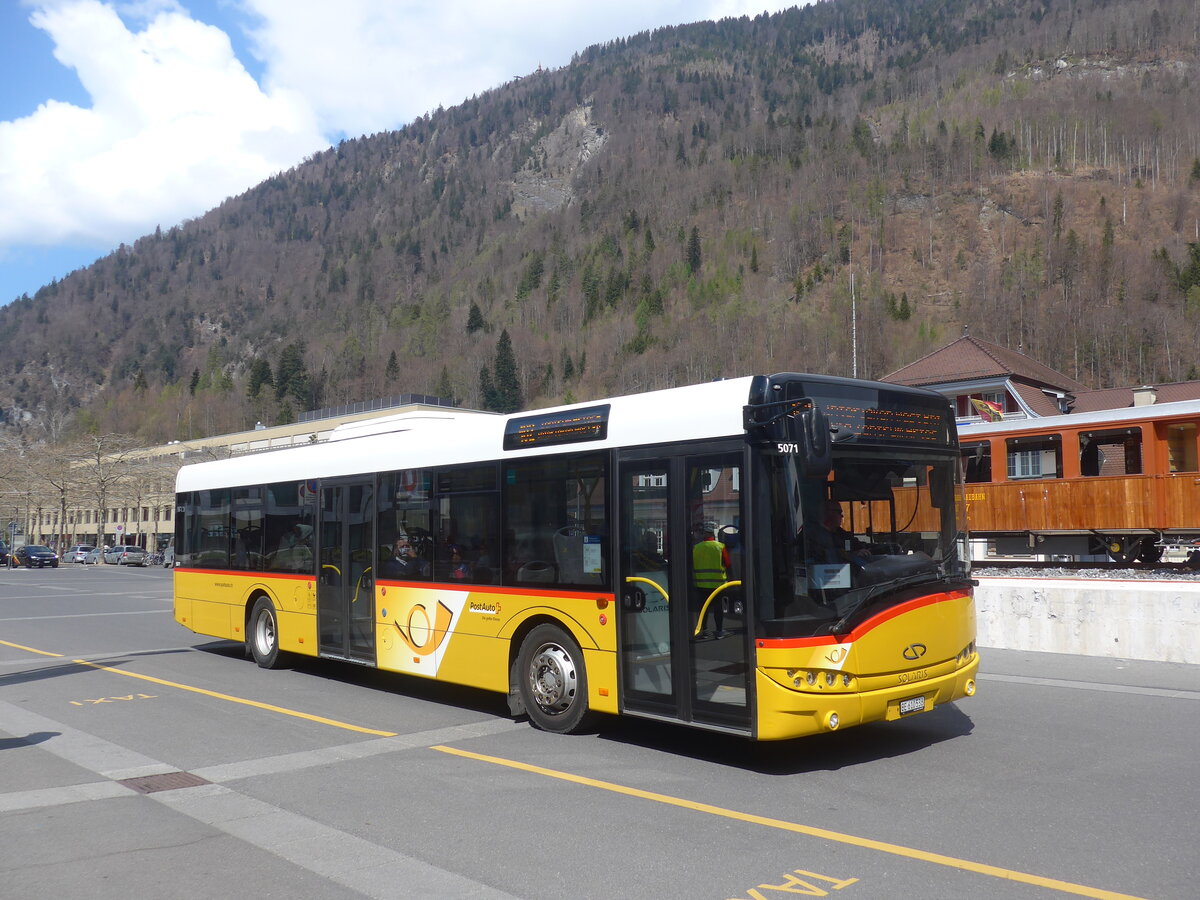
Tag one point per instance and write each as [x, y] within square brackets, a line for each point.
[346, 580]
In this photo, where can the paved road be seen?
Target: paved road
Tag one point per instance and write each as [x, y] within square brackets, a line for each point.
[140, 760]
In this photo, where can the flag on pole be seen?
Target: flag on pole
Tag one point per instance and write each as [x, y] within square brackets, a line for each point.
[988, 411]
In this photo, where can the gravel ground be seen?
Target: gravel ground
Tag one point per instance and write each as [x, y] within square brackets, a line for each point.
[1140, 573]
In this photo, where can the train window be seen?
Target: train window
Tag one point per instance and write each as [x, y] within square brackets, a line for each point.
[977, 462]
[1110, 452]
[1181, 447]
[1037, 456]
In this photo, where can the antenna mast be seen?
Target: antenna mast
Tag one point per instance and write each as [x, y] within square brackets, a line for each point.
[853, 320]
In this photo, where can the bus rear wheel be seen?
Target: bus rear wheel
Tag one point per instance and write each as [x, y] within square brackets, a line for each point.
[553, 680]
[262, 634]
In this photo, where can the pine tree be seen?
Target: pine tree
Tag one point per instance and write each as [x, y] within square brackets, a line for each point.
[475, 320]
[393, 368]
[487, 391]
[507, 380]
[260, 377]
[445, 388]
[291, 375]
[693, 251]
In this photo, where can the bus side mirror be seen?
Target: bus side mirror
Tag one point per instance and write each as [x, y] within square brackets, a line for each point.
[818, 444]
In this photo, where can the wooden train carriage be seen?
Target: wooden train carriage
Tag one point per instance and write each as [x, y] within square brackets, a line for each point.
[1125, 482]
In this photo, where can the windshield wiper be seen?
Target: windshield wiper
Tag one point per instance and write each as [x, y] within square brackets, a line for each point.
[876, 590]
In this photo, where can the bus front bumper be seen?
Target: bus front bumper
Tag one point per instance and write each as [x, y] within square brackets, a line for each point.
[785, 713]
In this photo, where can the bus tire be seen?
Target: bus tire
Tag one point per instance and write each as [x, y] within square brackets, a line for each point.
[262, 635]
[553, 680]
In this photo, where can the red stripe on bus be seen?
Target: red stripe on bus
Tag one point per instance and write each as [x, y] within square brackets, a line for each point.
[497, 589]
[428, 585]
[871, 623]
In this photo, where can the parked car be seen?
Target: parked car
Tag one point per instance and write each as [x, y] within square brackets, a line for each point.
[125, 555]
[35, 556]
[94, 557]
[3, 554]
[77, 553]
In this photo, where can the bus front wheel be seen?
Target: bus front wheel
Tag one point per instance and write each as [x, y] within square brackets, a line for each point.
[263, 635]
[553, 681]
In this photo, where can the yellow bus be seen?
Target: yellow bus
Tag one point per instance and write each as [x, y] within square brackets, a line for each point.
[671, 554]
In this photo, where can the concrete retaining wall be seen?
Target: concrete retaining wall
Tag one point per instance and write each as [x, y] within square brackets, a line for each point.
[1154, 620]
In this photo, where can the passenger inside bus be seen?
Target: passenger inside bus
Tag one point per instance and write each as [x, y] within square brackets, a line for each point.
[405, 563]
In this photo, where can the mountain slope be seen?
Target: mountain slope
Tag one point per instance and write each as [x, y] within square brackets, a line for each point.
[707, 200]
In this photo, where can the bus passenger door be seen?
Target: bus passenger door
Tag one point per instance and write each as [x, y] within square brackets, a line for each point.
[346, 580]
[645, 588]
[674, 663]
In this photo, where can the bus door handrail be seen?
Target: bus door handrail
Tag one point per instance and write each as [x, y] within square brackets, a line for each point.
[630, 579]
[708, 602]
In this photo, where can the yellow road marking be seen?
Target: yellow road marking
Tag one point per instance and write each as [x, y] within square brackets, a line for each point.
[255, 703]
[882, 846]
[30, 649]
[195, 690]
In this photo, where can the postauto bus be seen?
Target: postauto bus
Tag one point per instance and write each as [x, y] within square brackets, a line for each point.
[772, 556]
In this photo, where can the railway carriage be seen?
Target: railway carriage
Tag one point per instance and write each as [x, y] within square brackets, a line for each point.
[1124, 483]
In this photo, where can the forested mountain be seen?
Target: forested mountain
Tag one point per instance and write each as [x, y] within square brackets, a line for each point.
[706, 200]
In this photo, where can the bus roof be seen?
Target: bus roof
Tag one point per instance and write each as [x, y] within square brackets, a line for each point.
[695, 412]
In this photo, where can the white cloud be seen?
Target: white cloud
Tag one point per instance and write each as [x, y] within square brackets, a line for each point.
[367, 66]
[176, 125]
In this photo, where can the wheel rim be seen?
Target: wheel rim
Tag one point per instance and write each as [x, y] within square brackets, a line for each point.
[264, 633]
[552, 679]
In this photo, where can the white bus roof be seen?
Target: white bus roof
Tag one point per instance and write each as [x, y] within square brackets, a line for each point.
[421, 440]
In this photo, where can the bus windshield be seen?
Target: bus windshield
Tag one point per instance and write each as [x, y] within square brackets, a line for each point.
[854, 540]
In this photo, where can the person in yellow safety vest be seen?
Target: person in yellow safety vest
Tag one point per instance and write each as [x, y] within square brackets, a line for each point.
[710, 565]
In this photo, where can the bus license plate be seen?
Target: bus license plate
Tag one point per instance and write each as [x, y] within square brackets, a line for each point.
[912, 705]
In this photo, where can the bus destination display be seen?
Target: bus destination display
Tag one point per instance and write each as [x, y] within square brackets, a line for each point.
[552, 429]
[886, 425]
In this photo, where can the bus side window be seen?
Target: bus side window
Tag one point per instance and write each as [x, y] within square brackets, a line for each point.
[556, 521]
[210, 549]
[289, 517]
[468, 525]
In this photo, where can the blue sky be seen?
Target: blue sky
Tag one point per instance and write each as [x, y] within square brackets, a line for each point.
[117, 116]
